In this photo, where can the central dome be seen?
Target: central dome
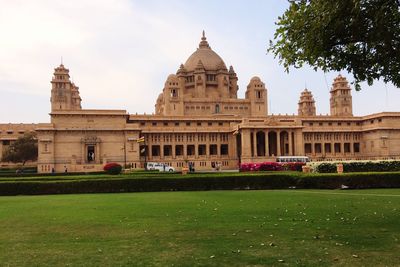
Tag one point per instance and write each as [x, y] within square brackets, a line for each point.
[209, 59]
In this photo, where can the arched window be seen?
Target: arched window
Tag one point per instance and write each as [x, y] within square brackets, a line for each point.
[216, 108]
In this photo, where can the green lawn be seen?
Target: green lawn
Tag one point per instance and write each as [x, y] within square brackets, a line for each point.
[228, 228]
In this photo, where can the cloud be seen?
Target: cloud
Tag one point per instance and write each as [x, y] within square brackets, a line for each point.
[120, 52]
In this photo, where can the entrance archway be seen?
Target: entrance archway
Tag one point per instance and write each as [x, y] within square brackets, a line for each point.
[272, 144]
[284, 143]
[260, 138]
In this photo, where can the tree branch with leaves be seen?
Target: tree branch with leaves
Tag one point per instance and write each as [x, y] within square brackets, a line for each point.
[25, 148]
[359, 36]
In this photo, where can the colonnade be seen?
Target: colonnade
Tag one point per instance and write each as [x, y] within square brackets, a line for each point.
[268, 142]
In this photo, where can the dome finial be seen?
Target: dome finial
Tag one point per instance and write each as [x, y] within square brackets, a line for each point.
[204, 43]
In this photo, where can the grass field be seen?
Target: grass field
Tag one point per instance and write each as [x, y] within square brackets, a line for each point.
[214, 228]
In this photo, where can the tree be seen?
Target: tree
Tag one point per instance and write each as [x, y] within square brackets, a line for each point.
[360, 36]
[23, 149]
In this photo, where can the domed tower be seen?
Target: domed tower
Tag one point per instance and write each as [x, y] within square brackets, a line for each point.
[64, 93]
[306, 104]
[257, 94]
[202, 85]
[341, 100]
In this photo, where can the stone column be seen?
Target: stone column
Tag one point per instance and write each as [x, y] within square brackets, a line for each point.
[173, 146]
[255, 143]
[278, 143]
[148, 147]
[266, 144]
[290, 143]
[98, 153]
[161, 144]
[246, 145]
[83, 152]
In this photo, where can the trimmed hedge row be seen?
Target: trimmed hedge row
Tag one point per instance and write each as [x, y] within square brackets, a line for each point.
[267, 181]
[360, 166]
[13, 174]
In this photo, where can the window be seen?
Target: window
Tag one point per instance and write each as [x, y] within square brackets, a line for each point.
[346, 147]
[307, 148]
[165, 123]
[224, 149]
[155, 151]
[154, 124]
[217, 108]
[176, 123]
[337, 148]
[6, 142]
[202, 150]
[356, 147]
[318, 148]
[199, 124]
[167, 150]
[90, 153]
[187, 123]
[174, 93]
[190, 150]
[211, 77]
[179, 150]
[328, 148]
[213, 150]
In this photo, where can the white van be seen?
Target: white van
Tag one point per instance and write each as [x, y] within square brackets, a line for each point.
[157, 166]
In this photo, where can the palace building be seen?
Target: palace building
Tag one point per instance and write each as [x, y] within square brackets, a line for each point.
[200, 119]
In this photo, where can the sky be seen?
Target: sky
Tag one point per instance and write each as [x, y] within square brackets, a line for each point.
[120, 52]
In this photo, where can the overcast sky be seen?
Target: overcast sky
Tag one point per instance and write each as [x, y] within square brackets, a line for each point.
[120, 53]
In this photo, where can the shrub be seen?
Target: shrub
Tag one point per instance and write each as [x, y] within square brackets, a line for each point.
[360, 166]
[112, 168]
[293, 166]
[271, 166]
[325, 168]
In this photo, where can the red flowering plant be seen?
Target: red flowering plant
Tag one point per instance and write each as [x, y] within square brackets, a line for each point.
[112, 168]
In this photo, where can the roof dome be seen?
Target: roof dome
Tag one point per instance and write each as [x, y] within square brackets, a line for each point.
[204, 54]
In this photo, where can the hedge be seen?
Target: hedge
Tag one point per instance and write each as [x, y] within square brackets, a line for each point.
[194, 183]
[13, 174]
[360, 166]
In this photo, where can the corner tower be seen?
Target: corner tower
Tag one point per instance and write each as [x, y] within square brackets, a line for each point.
[341, 101]
[306, 104]
[64, 93]
[257, 94]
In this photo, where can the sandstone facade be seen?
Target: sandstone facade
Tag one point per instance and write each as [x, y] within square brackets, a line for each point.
[200, 119]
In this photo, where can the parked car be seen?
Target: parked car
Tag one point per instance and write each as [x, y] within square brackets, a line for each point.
[157, 166]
